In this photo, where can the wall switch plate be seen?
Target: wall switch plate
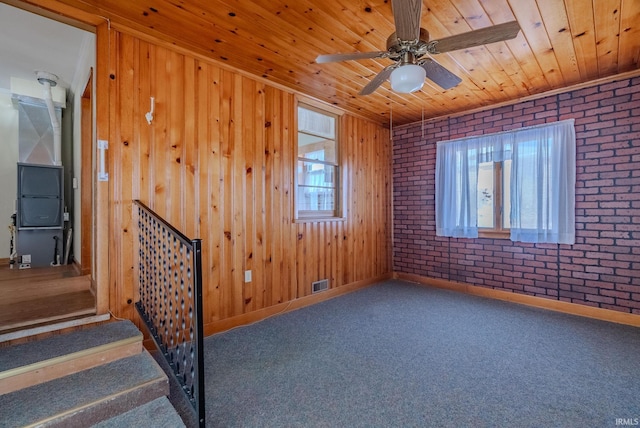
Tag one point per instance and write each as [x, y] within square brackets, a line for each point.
[247, 276]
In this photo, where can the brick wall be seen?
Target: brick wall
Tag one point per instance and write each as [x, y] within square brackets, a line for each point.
[602, 268]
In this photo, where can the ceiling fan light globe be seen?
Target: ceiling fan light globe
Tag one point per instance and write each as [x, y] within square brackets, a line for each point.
[407, 78]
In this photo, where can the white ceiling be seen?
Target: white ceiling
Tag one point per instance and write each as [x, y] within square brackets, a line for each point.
[30, 42]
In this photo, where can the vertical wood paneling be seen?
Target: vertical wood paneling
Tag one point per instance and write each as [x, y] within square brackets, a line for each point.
[189, 209]
[288, 167]
[248, 187]
[237, 197]
[217, 237]
[218, 162]
[206, 179]
[226, 189]
[120, 181]
[141, 163]
[272, 267]
[258, 172]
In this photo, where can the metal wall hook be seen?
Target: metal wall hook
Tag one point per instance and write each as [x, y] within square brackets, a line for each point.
[149, 115]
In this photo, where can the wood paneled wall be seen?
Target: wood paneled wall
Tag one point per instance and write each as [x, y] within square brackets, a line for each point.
[218, 162]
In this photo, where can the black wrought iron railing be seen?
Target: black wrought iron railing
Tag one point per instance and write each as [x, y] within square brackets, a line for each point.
[170, 287]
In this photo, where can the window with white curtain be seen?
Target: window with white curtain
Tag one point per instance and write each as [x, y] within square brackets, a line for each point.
[534, 186]
[317, 190]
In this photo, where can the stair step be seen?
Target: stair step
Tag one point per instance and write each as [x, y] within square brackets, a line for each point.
[45, 310]
[88, 397]
[30, 363]
[158, 413]
[23, 290]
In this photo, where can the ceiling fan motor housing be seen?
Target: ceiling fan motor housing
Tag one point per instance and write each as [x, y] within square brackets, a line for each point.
[397, 47]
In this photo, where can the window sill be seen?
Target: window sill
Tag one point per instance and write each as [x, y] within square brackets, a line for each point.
[318, 219]
[493, 234]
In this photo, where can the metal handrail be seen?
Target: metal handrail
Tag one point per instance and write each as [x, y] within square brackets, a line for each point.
[170, 304]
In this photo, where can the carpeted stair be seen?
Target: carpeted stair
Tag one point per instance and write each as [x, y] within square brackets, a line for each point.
[98, 376]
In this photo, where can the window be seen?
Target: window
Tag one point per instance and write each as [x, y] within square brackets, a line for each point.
[519, 182]
[318, 169]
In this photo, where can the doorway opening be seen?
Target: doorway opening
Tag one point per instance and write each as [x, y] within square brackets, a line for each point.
[48, 281]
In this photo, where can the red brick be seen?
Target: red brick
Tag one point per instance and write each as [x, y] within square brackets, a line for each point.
[572, 295]
[599, 269]
[600, 299]
[629, 303]
[616, 294]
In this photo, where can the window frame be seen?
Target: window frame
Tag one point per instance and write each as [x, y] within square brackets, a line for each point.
[497, 231]
[337, 213]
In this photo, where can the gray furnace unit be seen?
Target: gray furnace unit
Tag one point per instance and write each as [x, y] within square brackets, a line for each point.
[40, 215]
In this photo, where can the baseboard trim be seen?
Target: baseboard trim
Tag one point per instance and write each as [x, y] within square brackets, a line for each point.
[538, 302]
[281, 308]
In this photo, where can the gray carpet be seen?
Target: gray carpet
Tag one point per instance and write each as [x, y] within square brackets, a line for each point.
[399, 354]
[58, 345]
[120, 378]
[155, 414]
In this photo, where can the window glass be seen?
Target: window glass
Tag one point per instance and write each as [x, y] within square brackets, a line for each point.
[506, 194]
[486, 198]
[316, 148]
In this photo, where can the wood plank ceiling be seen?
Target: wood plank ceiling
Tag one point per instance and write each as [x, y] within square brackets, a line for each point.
[562, 43]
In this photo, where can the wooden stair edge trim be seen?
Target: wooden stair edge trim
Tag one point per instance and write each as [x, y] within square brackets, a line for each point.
[34, 331]
[89, 311]
[55, 368]
[601, 314]
[162, 378]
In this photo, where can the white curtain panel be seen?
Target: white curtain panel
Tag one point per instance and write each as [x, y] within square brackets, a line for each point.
[543, 175]
[543, 209]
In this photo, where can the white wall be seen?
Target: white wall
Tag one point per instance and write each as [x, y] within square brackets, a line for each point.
[8, 169]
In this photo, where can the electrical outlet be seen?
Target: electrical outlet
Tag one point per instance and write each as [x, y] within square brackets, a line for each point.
[247, 276]
[26, 258]
[66, 216]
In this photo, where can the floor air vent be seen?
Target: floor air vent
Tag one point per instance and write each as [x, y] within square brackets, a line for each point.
[321, 285]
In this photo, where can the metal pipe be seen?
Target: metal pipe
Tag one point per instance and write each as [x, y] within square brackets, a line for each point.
[49, 80]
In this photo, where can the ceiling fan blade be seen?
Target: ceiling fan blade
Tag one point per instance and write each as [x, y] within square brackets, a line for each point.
[438, 74]
[321, 59]
[483, 36]
[407, 14]
[378, 80]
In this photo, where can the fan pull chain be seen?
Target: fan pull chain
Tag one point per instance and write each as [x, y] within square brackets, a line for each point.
[391, 122]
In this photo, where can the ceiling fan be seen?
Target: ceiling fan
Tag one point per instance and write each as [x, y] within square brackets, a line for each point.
[409, 45]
